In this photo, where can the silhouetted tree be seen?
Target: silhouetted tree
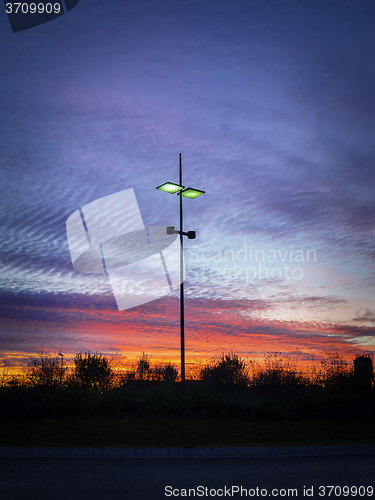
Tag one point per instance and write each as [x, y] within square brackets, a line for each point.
[334, 372]
[4, 374]
[228, 368]
[167, 373]
[143, 369]
[45, 370]
[278, 371]
[93, 371]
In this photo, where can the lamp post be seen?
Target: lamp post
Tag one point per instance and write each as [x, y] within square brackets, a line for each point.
[172, 188]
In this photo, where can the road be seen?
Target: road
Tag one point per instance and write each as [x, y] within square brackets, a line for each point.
[149, 478]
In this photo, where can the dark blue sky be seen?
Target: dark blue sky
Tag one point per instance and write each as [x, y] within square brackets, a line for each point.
[272, 105]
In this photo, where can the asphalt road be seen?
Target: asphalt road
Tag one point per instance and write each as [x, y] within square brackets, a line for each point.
[149, 478]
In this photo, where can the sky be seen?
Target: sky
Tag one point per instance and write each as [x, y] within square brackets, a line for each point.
[271, 104]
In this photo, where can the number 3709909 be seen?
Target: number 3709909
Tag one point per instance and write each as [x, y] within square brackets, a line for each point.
[32, 8]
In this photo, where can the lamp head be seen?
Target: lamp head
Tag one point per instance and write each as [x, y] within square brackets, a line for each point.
[170, 187]
[191, 192]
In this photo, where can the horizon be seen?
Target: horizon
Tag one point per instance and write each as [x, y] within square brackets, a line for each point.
[121, 365]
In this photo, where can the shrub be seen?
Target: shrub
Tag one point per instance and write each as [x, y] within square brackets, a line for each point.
[46, 371]
[334, 372]
[4, 373]
[228, 368]
[166, 373]
[278, 371]
[144, 371]
[92, 371]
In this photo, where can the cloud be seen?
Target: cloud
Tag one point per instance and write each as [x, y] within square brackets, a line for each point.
[365, 316]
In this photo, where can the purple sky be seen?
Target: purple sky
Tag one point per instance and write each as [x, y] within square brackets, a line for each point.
[272, 105]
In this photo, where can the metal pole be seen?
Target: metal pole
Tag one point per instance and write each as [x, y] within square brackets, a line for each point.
[182, 315]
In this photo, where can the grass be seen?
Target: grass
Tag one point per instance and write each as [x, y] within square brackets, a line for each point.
[276, 406]
[163, 432]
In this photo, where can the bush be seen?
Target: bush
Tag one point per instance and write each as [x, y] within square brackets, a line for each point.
[334, 372]
[46, 371]
[92, 371]
[4, 376]
[228, 368]
[144, 371]
[278, 371]
[166, 373]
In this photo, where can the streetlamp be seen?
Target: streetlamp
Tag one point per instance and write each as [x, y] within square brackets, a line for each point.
[172, 188]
